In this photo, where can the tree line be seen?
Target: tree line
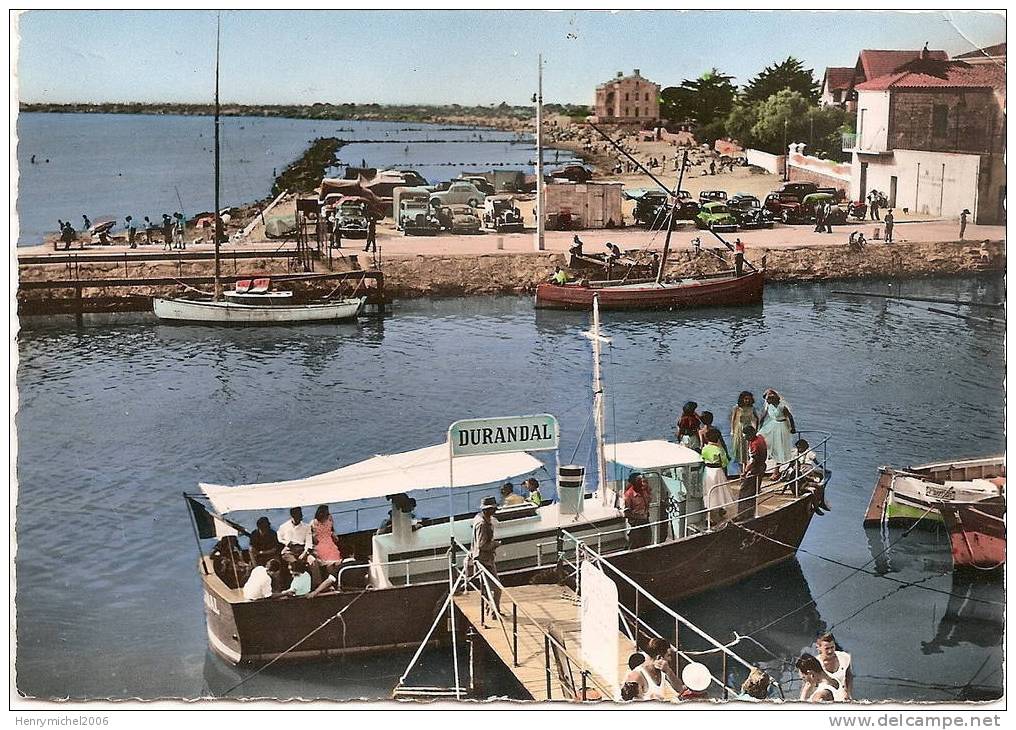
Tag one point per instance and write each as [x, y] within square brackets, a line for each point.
[777, 106]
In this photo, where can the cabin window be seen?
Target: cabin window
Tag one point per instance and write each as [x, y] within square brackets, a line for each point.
[939, 120]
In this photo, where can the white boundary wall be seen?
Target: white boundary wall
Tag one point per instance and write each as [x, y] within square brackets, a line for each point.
[775, 164]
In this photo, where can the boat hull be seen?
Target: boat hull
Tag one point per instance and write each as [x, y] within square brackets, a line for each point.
[976, 533]
[730, 290]
[399, 617]
[226, 312]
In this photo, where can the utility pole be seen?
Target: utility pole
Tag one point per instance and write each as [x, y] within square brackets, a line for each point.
[540, 243]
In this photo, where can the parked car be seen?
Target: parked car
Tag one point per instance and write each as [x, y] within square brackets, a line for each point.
[838, 214]
[458, 218]
[707, 196]
[716, 216]
[748, 211]
[480, 182]
[500, 214]
[416, 216]
[573, 173]
[459, 193]
[688, 207]
[352, 214]
[786, 207]
[652, 209]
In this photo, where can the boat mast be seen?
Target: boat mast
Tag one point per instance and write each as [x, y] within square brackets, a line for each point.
[598, 409]
[670, 223]
[218, 223]
[540, 243]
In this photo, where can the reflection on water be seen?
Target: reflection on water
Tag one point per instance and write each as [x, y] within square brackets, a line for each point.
[120, 416]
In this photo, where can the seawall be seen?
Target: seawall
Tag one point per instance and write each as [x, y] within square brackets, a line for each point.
[408, 276]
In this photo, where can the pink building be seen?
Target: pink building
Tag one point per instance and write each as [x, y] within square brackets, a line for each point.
[628, 100]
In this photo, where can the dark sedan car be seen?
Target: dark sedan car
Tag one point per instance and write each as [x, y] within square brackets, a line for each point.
[749, 212]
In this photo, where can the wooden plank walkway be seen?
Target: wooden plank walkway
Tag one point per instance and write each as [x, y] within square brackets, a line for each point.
[539, 608]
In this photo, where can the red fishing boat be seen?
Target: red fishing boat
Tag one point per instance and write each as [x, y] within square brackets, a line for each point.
[976, 532]
[722, 289]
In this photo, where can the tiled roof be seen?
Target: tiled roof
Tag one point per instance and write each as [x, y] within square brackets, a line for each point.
[929, 74]
[839, 77]
[874, 63]
[991, 51]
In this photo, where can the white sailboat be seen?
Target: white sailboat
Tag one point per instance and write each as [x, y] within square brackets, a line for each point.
[247, 306]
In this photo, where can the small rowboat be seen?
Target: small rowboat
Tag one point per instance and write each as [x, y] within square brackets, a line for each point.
[722, 289]
[231, 312]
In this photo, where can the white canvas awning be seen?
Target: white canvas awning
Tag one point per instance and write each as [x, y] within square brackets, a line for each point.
[425, 468]
[651, 454]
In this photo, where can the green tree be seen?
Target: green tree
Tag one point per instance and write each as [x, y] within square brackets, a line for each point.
[782, 118]
[704, 100]
[789, 74]
[740, 121]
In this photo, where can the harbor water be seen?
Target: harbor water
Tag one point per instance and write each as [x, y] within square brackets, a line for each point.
[114, 165]
[118, 417]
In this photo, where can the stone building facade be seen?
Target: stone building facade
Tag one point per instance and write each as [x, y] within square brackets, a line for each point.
[631, 100]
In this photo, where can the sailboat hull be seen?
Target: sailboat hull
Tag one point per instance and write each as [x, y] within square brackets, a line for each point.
[226, 312]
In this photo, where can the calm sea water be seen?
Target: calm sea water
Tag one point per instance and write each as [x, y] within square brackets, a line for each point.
[118, 417]
[114, 165]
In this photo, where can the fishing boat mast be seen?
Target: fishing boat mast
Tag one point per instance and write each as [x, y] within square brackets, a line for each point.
[540, 243]
[217, 228]
[670, 223]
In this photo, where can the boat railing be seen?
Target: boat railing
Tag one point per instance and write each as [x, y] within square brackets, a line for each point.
[554, 649]
[406, 574]
[793, 467]
[633, 624]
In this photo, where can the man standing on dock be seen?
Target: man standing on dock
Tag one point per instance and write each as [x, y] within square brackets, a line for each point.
[963, 222]
[371, 235]
[889, 221]
[132, 232]
[484, 547]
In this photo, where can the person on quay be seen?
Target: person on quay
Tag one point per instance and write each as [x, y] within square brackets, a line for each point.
[889, 223]
[179, 231]
[827, 214]
[963, 222]
[484, 548]
[264, 543]
[719, 497]
[371, 235]
[132, 232]
[326, 544]
[752, 472]
[836, 663]
[533, 488]
[650, 674]
[87, 223]
[67, 234]
[777, 425]
[743, 414]
[873, 201]
[576, 247]
[167, 232]
[508, 496]
[688, 426]
[819, 218]
[560, 276]
[816, 684]
[150, 229]
[636, 511]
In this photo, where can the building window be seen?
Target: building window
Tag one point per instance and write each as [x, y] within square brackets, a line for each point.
[626, 111]
[647, 97]
[626, 97]
[636, 111]
[939, 120]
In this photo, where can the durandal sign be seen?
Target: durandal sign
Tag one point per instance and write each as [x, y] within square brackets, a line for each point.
[504, 435]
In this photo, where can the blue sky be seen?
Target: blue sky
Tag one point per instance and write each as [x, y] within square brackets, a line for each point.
[441, 57]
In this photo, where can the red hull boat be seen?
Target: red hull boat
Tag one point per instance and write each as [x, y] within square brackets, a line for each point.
[976, 532]
[723, 289]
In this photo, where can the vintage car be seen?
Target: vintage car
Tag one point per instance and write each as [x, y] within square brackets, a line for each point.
[573, 173]
[748, 211]
[707, 196]
[838, 214]
[479, 182]
[458, 218]
[458, 193]
[688, 207]
[652, 210]
[787, 202]
[500, 214]
[716, 217]
[416, 216]
[352, 214]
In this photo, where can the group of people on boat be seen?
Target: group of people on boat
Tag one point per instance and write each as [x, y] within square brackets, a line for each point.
[298, 559]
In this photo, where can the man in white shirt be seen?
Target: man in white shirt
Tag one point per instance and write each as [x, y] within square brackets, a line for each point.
[298, 542]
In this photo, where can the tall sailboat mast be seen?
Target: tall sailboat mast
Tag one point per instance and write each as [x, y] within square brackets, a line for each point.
[670, 223]
[540, 222]
[217, 228]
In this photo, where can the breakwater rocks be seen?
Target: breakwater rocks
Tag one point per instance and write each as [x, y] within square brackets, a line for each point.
[511, 273]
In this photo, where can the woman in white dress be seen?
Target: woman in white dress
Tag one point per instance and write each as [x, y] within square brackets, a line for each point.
[719, 497]
[776, 427]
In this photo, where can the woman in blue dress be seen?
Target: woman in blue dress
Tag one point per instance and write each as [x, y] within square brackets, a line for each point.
[776, 427]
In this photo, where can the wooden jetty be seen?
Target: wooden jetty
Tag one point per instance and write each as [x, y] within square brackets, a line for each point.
[522, 641]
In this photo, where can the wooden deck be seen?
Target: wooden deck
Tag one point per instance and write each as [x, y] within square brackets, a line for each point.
[540, 607]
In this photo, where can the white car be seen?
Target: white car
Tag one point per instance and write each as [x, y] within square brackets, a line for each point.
[459, 193]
